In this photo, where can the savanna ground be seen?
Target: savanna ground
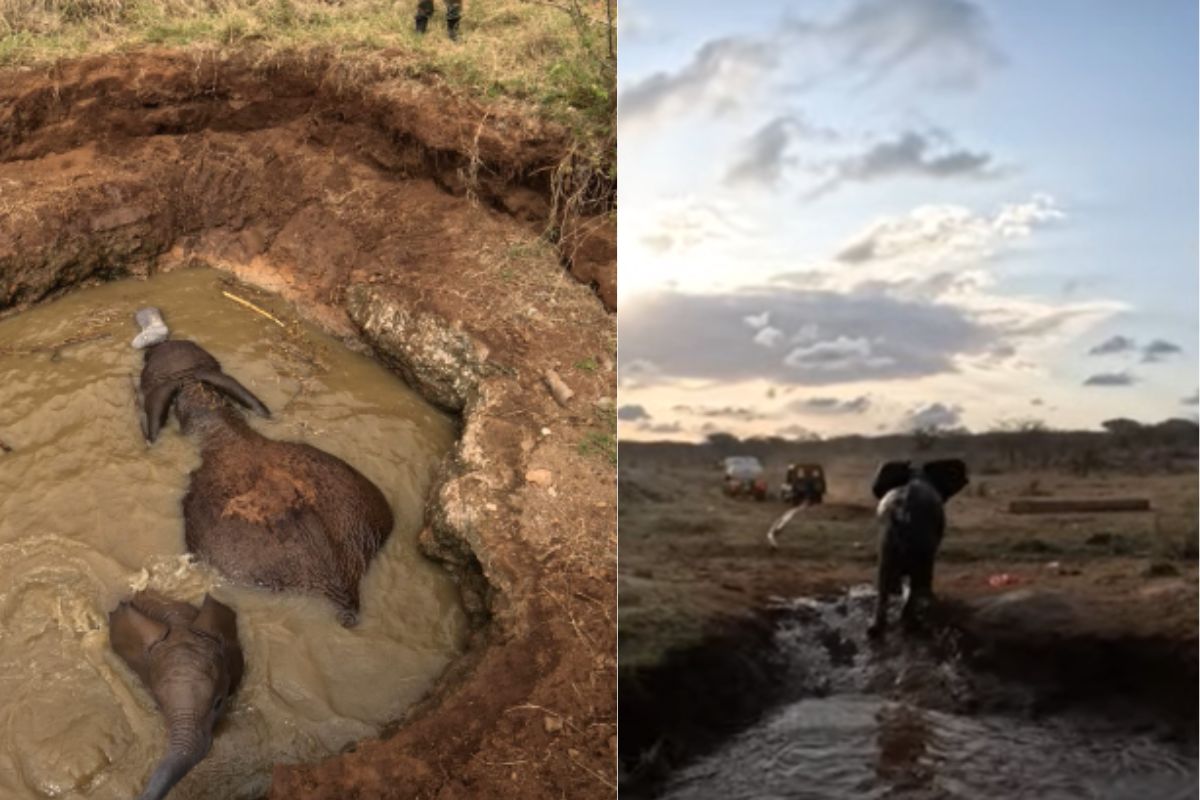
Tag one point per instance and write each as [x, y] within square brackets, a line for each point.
[449, 208]
[696, 571]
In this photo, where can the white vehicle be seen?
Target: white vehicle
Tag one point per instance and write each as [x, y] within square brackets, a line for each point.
[744, 477]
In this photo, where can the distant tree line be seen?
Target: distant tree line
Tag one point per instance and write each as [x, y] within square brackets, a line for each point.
[1026, 443]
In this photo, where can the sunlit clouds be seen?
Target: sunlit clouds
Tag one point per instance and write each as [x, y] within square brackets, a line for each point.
[822, 233]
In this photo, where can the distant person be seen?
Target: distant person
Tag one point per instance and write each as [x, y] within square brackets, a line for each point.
[453, 16]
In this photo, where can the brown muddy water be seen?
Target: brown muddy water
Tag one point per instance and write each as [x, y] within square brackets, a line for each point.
[89, 513]
[905, 720]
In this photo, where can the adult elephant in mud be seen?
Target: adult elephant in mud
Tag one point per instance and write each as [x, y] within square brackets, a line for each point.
[191, 661]
[282, 515]
[912, 520]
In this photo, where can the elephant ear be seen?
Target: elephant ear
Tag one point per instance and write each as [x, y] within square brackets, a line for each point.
[219, 620]
[890, 475]
[132, 634]
[228, 386]
[158, 406]
[948, 476]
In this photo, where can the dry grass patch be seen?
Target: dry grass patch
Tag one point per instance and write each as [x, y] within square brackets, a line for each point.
[555, 55]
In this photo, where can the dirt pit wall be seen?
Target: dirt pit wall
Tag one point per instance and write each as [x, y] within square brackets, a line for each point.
[406, 221]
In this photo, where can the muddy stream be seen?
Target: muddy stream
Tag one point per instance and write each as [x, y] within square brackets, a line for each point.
[88, 513]
[908, 719]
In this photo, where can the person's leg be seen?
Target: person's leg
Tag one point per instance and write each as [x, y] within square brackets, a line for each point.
[424, 12]
[453, 17]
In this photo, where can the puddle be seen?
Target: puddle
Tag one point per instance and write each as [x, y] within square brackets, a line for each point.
[87, 512]
[908, 719]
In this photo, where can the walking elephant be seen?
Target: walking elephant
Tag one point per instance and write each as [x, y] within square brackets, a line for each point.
[281, 515]
[912, 521]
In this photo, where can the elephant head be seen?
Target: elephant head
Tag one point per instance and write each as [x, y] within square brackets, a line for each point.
[947, 475]
[191, 661]
[171, 365]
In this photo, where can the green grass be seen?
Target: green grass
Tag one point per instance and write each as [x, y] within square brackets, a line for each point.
[601, 444]
[551, 55]
[601, 441]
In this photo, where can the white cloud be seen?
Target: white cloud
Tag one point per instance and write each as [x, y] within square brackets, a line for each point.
[769, 337]
[930, 238]
[842, 354]
[684, 223]
[933, 415]
[948, 254]
[757, 321]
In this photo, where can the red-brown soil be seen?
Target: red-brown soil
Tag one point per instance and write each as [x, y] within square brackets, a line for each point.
[405, 219]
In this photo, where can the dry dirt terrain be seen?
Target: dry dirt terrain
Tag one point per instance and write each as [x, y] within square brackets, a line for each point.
[697, 575]
[405, 218]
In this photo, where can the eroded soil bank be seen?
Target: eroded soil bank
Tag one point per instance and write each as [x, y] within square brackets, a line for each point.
[1013, 694]
[404, 221]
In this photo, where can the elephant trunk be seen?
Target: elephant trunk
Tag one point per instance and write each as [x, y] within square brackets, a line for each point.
[187, 744]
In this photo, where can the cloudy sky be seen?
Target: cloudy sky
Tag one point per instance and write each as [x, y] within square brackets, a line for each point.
[864, 216]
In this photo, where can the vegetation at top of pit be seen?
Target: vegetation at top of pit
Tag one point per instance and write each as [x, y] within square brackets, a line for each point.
[557, 55]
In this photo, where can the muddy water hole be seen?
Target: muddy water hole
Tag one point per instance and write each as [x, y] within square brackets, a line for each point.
[89, 513]
[912, 717]
[408, 222]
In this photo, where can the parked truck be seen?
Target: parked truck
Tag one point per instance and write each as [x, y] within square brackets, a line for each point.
[803, 484]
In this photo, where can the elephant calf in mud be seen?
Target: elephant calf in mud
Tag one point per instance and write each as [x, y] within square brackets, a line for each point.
[912, 520]
[191, 661]
[281, 515]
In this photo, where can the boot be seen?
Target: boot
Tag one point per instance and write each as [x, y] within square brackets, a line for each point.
[422, 24]
[452, 28]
